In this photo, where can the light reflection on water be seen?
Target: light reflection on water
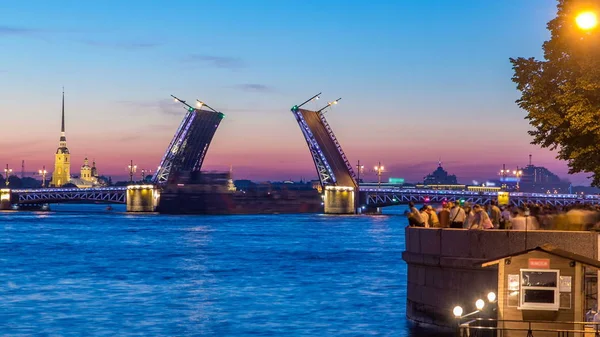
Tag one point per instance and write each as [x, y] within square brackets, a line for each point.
[82, 270]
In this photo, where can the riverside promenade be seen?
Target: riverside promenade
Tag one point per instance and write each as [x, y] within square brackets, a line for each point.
[443, 269]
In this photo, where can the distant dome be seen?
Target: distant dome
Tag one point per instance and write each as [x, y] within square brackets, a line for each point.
[440, 177]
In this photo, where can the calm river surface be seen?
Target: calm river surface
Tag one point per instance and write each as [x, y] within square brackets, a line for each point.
[82, 270]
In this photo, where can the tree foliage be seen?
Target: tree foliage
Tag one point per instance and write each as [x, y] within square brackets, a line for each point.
[561, 93]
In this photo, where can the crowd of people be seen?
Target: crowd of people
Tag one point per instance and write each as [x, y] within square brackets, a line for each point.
[492, 216]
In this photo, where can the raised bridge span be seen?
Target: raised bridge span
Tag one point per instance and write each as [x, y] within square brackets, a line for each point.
[185, 154]
[342, 195]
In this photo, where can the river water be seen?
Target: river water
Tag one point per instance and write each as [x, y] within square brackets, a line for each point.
[82, 270]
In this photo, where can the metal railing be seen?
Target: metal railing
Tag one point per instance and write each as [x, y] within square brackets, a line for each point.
[487, 327]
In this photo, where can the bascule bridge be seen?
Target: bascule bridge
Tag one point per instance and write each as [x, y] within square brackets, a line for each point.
[184, 155]
[335, 171]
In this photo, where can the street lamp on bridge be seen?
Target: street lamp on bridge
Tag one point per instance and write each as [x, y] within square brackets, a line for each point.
[518, 173]
[314, 98]
[379, 169]
[329, 104]
[7, 172]
[43, 173]
[359, 169]
[144, 173]
[132, 170]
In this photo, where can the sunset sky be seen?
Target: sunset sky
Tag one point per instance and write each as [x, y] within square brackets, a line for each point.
[419, 81]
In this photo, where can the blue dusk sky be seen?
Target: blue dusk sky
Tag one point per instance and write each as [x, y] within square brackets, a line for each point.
[420, 80]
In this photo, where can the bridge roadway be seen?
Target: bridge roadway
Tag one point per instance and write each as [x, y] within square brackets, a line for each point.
[332, 155]
[369, 196]
[374, 197]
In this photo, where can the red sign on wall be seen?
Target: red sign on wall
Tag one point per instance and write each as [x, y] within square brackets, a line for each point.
[539, 263]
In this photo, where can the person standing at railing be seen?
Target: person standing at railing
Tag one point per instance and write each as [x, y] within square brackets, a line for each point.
[425, 216]
[432, 220]
[416, 214]
[495, 214]
[457, 216]
[481, 219]
[505, 218]
[469, 217]
[444, 216]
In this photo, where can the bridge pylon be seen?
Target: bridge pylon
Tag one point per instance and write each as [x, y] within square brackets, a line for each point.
[5, 199]
[339, 199]
[142, 198]
[335, 171]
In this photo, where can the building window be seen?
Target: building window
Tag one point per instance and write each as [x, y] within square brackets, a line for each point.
[539, 289]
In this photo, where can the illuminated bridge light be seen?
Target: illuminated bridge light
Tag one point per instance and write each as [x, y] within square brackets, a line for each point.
[135, 187]
[339, 188]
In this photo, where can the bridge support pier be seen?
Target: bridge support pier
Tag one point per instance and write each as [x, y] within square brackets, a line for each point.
[339, 200]
[5, 199]
[142, 198]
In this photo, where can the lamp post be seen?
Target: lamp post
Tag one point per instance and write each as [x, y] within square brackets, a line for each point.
[7, 172]
[518, 174]
[379, 169]
[43, 173]
[144, 173]
[359, 169]
[132, 169]
[458, 313]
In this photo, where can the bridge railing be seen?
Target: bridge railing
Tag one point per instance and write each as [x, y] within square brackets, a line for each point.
[49, 195]
[473, 193]
[374, 197]
[74, 189]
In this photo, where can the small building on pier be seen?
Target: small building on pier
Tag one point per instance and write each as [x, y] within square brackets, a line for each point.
[546, 284]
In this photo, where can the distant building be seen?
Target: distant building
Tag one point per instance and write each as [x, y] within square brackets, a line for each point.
[440, 177]
[86, 170]
[62, 163]
[88, 177]
[540, 180]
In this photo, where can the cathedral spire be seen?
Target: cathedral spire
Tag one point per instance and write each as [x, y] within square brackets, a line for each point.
[62, 145]
[62, 164]
[62, 128]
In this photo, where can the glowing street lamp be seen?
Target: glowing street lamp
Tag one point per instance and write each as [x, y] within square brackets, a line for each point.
[587, 20]
[518, 173]
[479, 304]
[359, 168]
[491, 296]
[379, 169]
[329, 104]
[7, 172]
[457, 311]
[132, 168]
[144, 173]
[43, 173]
